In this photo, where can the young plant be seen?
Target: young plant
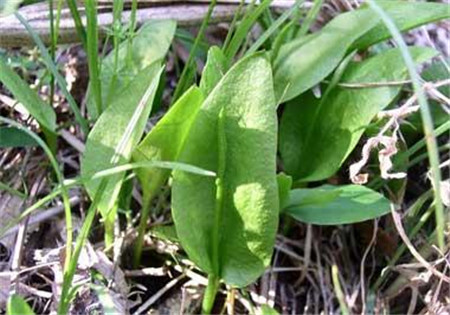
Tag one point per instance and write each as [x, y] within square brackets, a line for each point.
[133, 105]
[227, 225]
[318, 134]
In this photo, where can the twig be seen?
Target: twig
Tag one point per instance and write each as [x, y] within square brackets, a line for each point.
[72, 140]
[308, 243]
[157, 295]
[413, 251]
[42, 216]
[366, 85]
[147, 272]
[363, 263]
[13, 34]
[17, 255]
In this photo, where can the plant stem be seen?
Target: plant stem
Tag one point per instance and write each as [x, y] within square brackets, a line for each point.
[337, 288]
[210, 294]
[141, 228]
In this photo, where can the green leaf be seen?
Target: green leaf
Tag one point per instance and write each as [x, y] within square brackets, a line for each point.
[284, 187]
[406, 15]
[165, 232]
[227, 226]
[11, 137]
[37, 108]
[304, 63]
[17, 306]
[267, 310]
[331, 205]
[165, 140]
[117, 132]
[150, 43]
[317, 135]
[214, 70]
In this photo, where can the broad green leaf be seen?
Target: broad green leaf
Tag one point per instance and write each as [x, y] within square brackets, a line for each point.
[303, 64]
[111, 135]
[165, 140]
[22, 92]
[330, 205]
[227, 226]
[306, 61]
[317, 135]
[214, 70]
[11, 137]
[150, 43]
[17, 306]
[406, 15]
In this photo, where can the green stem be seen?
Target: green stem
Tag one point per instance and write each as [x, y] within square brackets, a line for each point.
[145, 213]
[109, 221]
[210, 294]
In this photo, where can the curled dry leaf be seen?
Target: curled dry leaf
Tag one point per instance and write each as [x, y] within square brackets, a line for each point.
[384, 157]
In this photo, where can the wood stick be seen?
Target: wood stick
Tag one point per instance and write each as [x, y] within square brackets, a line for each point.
[186, 13]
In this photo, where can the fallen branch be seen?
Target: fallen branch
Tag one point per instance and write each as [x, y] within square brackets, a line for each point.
[186, 13]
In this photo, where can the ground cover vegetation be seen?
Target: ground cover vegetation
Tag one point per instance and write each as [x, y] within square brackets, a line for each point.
[287, 157]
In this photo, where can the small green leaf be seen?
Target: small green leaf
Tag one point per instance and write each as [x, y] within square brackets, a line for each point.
[150, 44]
[406, 15]
[331, 205]
[317, 135]
[105, 296]
[284, 187]
[267, 310]
[11, 137]
[17, 306]
[117, 132]
[37, 108]
[214, 70]
[227, 226]
[165, 232]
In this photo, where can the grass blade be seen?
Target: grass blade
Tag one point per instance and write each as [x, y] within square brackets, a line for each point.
[274, 27]
[426, 118]
[59, 79]
[92, 52]
[312, 14]
[243, 29]
[72, 4]
[187, 74]
[59, 177]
